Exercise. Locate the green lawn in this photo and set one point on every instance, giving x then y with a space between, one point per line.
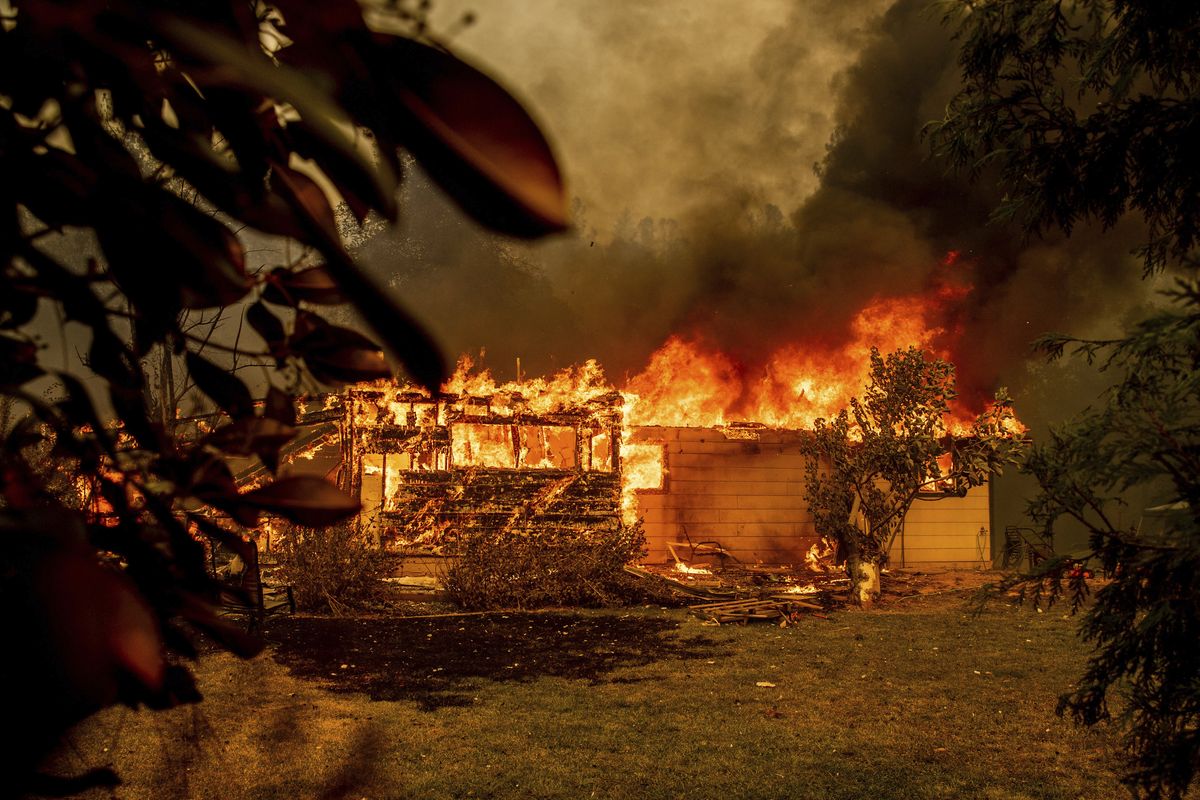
918 700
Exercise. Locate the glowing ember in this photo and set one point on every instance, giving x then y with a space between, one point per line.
819 557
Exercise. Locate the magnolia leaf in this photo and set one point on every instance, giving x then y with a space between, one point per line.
55 187
344 361
202 614
229 393
334 354
278 405
361 189
213 475
213 483
307 324
303 499
308 201
471 136
226 538
268 326
403 335
80 411
18 361
313 285
125 394
347 365
223 61
251 436
100 630
407 339
18 308
74 292
166 255
212 265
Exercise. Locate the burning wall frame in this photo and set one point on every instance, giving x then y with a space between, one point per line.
433 469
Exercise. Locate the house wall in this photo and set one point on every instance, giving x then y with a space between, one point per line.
947 531
743 487
745 493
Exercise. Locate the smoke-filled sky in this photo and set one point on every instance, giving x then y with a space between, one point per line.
688 133
657 106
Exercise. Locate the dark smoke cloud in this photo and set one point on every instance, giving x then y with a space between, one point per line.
657 106
738 249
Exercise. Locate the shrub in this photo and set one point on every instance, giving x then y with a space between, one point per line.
330 569
532 569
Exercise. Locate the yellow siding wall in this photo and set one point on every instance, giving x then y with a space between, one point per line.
748 495
946 530
745 494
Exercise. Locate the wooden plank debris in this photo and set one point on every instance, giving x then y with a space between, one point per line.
781 607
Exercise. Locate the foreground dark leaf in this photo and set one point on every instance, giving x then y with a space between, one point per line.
312 285
18 361
234 542
229 393
472 137
201 613
213 483
278 405
403 335
98 629
250 436
361 191
336 355
303 499
219 60
350 362
268 326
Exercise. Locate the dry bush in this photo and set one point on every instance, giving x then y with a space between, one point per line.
525 569
330 569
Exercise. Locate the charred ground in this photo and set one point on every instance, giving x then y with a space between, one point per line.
440 661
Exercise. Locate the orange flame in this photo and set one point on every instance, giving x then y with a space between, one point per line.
686 385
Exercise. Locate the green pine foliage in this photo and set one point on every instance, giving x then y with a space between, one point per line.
1144 434
1087 111
1083 110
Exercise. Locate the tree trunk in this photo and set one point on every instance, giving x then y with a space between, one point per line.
864 578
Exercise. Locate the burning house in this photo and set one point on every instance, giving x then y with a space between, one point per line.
704 451
571 453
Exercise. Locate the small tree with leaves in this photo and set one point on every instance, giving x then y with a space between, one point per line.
867 465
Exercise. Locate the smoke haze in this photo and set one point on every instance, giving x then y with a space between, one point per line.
689 135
